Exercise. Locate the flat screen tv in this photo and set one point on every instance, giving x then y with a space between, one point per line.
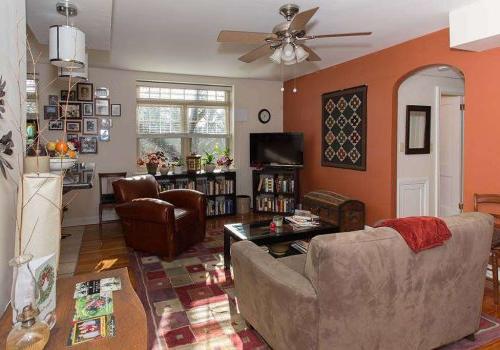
276 149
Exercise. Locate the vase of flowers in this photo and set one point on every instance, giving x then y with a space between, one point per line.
224 161
152 161
177 165
209 162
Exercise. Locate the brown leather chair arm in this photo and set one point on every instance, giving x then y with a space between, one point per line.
146 209
190 199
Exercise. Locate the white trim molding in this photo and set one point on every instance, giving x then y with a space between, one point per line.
413 197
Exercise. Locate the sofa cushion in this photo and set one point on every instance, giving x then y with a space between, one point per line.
295 262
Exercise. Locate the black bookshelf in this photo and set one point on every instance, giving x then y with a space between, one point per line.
275 189
219 188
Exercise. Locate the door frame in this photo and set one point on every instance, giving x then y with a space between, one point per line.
439 92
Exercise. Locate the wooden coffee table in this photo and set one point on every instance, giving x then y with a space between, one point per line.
260 234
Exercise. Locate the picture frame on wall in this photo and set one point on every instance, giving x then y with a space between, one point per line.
104 135
56 125
88 145
116 110
102 107
50 112
88 109
53 100
85 92
102 92
72 137
73 126
90 126
106 123
64 95
70 110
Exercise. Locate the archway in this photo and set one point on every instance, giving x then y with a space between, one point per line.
428 157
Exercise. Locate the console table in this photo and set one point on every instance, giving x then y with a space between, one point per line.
131 326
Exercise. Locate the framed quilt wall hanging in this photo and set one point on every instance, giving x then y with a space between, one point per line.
344 128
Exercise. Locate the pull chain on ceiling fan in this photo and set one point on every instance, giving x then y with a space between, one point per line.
286 42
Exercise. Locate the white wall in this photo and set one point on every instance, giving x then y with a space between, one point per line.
12 69
120 154
420 89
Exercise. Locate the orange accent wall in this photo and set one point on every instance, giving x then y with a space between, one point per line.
383 71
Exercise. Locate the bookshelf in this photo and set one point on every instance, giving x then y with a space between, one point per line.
219 187
275 189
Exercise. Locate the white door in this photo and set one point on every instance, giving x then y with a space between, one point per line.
450 155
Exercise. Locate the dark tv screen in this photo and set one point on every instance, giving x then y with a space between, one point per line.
276 148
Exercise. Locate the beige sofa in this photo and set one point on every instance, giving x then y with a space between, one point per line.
367 289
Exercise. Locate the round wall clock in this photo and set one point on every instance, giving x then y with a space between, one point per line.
264 116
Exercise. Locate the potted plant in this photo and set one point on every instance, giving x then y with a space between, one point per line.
209 162
177 165
152 161
225 159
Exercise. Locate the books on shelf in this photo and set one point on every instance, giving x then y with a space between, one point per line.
266 183
272 203
220 206
210 187
285 184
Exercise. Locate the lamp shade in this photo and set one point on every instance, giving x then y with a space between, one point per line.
66 46
76 73
276 56
300 53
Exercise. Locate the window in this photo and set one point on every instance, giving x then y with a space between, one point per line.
179 119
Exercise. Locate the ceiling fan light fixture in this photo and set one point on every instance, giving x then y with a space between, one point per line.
300 53
288 53
276 56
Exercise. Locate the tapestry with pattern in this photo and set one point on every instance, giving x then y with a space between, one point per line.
344 128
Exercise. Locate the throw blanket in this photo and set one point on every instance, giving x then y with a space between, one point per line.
420 233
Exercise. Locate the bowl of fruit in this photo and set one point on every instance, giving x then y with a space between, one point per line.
63 155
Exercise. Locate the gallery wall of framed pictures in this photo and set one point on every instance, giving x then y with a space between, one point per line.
85 113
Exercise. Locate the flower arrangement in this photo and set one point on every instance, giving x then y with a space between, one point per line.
152 161
225 159
209 162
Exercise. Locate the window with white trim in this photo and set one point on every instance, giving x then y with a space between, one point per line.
180 119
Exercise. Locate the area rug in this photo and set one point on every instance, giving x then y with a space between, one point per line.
190 303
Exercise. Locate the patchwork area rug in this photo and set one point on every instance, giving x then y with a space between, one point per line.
190 302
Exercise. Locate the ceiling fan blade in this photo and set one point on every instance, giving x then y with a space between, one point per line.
300 20
257 53
312 55
232 36
338 35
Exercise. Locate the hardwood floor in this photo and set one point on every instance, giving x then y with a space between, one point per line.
106 249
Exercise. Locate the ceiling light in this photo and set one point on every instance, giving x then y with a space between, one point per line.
276 56
288 53
66 43
76 73
300 53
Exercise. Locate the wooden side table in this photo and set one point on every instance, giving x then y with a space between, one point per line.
131 326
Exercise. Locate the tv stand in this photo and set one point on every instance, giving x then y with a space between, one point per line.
275 189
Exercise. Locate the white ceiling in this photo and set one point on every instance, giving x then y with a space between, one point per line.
180 36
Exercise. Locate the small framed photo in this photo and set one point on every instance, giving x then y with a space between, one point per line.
53 100
106 123
116 110
50 112
102 92
85 91
88 109
71 137
56 125
88 145
87 176
90 126
102 107
73 127
64 95
70 110
104 135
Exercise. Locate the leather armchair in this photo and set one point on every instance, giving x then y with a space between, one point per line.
163 223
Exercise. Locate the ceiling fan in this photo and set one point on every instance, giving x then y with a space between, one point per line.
286 42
